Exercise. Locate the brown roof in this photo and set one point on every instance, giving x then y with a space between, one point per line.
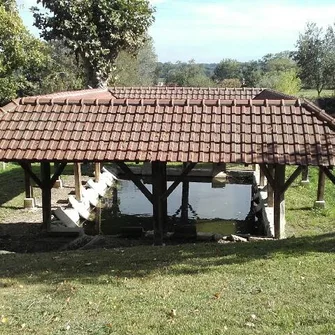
93 93
239 131
166 92
270 94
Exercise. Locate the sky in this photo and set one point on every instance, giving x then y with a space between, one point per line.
211 30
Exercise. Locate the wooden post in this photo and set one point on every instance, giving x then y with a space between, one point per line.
77 181
29 201
184 202
304 176
58 183
279 201
320 201
46 194
261 178
159 202
270 199
97 173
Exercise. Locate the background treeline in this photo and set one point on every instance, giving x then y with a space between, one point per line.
31 66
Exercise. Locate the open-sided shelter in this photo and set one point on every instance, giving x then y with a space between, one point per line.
78 127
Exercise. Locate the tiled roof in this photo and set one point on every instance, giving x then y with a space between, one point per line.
94 93
239 131
166 92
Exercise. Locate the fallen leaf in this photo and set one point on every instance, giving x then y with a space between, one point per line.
250 324
4 319
217 295
173 313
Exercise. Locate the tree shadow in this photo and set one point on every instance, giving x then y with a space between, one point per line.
144 261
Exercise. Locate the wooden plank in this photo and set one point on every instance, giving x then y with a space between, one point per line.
27 167
321 185
46 195
77 180
179 179
292 178
136 180
279 201
328 173
97 172
27 183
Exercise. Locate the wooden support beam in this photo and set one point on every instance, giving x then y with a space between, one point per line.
268 171
57 173
159 202
46 194
292 178
97 171
320 201
27 183
77 181
179 179
185 201
261 177
27 167
270 185
328 173
279 201
136 180
305 175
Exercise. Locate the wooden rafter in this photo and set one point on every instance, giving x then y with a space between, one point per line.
328 173
136 180
59 170
27 167
179 179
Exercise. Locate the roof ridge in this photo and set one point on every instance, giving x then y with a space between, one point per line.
154 101
320 113
10 106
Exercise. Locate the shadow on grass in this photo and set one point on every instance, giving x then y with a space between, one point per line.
145 261
12 184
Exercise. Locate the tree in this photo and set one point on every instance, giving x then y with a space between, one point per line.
251 73
227 69
96 30
315 57
188 74
19 50
282 81
137 70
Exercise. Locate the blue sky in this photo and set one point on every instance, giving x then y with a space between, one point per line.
208 31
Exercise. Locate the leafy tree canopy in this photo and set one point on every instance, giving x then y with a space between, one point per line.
316 57
19 50
96 30
227 69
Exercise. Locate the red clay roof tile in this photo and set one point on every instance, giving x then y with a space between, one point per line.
173 130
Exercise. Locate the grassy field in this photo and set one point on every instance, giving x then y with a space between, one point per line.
313 94
270 287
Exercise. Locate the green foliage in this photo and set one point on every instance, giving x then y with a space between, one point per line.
227 69
61 71
316 57
188 74
19 52
96 30
252 73
282 81
136 70
232 83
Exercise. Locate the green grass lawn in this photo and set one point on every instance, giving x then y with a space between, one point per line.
313 94
270 287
